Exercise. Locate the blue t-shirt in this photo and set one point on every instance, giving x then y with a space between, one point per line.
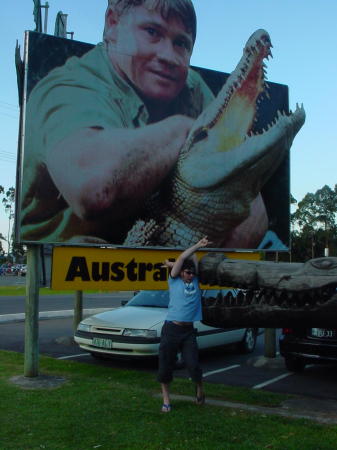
185 300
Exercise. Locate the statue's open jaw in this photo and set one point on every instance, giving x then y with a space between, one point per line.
273 309
274 294
222 137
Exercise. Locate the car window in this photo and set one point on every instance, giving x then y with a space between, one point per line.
158 299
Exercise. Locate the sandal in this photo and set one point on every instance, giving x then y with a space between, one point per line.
166 408
200 400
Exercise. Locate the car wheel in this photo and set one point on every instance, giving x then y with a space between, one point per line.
294 364
247 345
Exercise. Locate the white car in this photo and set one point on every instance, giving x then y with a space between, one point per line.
134 330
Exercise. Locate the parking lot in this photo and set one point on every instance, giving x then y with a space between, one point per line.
224 365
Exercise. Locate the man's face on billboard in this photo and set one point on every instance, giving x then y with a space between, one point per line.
150 52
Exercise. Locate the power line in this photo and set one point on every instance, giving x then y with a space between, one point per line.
6 151
8 115
8 105
8 155
7 158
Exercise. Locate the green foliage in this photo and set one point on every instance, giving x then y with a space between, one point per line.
314 224
21 290
8 201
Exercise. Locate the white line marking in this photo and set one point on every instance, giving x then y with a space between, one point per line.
273 380
73 356
206 374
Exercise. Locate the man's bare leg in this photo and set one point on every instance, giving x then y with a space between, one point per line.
200 395
166 397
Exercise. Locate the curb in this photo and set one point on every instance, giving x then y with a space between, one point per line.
293 409
43 315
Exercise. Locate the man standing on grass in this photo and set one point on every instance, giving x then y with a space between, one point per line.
178 333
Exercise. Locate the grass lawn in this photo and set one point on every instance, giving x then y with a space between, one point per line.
105 408
21 290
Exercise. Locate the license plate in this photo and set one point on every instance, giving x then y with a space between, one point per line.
323 333
102 343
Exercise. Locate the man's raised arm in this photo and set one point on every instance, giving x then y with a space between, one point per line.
175 270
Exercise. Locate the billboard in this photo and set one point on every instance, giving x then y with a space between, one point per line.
101 166
105 269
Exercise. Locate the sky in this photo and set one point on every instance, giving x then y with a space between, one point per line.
303 33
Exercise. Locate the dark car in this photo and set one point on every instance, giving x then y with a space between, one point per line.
301 346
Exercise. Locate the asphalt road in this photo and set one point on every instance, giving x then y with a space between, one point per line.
16 304
223 365
54 302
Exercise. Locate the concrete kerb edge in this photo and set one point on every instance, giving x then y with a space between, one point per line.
283 411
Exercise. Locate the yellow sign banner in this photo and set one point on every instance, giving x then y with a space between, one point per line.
110 269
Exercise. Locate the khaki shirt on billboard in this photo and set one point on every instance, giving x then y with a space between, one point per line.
85 92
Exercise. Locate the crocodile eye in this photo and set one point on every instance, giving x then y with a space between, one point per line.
324 263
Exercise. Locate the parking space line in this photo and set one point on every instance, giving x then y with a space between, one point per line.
73 356
272 380
224 369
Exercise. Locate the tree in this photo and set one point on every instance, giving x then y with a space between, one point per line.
8 200
2 251
314 224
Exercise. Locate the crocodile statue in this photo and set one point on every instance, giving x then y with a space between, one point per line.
272 294
223 164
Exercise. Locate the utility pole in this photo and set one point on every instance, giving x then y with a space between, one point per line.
78 309
270 333
270 342
46 7
31 353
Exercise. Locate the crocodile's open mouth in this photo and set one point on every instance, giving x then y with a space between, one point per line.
222 144
234 110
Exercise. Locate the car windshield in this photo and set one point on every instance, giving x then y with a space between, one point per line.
159 299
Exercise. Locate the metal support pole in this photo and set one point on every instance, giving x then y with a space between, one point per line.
31 360
270 342
78 309
46 7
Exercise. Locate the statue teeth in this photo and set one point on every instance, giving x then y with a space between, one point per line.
273 301
262 300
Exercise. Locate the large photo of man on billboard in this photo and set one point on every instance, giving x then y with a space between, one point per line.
104 134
